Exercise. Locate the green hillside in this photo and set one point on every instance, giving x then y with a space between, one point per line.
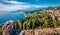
38 20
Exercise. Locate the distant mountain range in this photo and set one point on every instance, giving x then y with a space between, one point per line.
34 9
29 10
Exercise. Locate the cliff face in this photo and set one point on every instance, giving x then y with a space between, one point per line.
6 27
11 27
46 31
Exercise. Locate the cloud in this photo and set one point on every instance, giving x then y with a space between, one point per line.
37 6
15 6
15 2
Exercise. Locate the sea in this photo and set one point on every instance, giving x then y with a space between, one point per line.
5 16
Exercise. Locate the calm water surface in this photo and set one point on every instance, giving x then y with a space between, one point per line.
11 16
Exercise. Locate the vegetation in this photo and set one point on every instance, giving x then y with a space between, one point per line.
38 20
0 31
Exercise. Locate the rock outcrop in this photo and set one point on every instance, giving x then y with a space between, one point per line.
7 26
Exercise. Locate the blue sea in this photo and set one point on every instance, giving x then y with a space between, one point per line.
5 16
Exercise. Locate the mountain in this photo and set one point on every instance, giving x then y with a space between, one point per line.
47 13
37 20
30 10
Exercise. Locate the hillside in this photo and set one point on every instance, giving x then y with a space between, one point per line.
37 20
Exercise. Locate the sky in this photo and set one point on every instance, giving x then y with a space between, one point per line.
14 5
42 2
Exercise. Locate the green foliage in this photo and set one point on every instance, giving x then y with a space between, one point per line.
38 20
0 31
